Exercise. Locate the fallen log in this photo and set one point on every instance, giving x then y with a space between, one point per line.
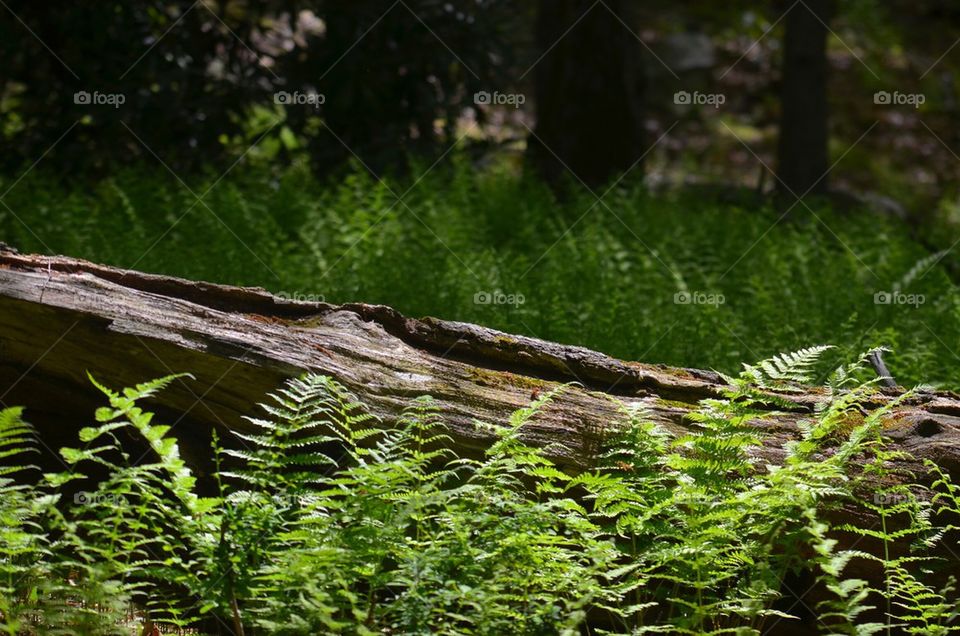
62 317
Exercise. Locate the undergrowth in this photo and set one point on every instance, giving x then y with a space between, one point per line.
468 244
324 520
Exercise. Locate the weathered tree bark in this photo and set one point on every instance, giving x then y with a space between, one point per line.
61 317
802 152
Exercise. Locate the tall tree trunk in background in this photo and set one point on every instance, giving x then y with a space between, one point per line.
588 89
802 152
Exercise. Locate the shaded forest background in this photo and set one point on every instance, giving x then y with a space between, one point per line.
201 81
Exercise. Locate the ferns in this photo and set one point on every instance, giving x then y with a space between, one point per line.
15 439
781 370
22 544
307 413
711 536
326 521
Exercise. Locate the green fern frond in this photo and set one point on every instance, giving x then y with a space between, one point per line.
16 438
782 370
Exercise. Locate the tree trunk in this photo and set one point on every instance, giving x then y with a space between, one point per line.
61 317
588 85
802 153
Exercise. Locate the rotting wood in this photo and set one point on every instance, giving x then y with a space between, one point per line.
61 317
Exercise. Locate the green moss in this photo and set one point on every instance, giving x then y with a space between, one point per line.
673 404
489 377
505 340
897 420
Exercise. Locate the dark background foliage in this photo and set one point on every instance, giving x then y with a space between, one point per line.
190 72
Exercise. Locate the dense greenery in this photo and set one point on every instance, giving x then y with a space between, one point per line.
785 282
326 522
